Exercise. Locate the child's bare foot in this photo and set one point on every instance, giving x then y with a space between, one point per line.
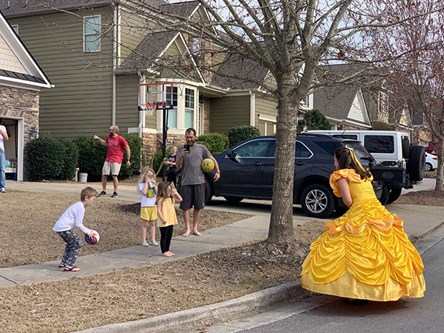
197 233
173 254
186 234
167 254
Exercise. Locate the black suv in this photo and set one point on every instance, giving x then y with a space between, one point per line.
248 170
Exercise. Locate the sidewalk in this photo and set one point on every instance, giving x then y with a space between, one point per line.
418 221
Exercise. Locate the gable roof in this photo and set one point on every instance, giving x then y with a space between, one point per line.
28 7
185 9
237 72
148 50
152 49
17 66
344 102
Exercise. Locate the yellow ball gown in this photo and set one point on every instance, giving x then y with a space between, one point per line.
364 254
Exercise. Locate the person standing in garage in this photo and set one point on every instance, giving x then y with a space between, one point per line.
3 137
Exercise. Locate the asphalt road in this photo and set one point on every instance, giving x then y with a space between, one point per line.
330 315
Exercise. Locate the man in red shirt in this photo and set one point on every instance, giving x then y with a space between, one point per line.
116 145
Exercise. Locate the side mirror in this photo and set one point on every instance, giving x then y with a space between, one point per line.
230 154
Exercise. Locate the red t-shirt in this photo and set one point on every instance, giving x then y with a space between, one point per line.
116 147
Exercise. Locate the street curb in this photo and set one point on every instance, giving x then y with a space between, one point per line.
209 314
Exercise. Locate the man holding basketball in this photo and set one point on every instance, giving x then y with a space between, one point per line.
192 185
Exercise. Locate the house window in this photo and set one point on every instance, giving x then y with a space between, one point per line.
91 33
172 113
189 107
15 27
196 48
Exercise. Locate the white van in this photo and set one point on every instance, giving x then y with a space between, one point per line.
389 148
398 164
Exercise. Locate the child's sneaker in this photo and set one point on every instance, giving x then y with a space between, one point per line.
2 190
144 243
154 243
102 194
115 195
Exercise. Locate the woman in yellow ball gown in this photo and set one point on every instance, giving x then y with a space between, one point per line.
364 254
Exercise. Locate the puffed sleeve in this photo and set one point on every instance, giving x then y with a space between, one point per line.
335 176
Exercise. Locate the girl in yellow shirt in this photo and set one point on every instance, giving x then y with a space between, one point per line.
167 218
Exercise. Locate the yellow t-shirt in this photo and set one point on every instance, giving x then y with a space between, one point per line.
168 212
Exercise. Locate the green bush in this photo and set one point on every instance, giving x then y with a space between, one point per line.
92 154
91 157
241 133
70 160
215 142
315 120
135 144
44 158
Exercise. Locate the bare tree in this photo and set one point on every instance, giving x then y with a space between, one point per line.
291 39
414 66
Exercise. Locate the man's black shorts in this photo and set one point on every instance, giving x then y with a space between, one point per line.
193 196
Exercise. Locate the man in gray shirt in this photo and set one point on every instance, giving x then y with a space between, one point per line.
192 184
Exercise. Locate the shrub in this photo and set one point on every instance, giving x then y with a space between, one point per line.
241 133
215 142
70 160
91 157
315 120
44 158
157 161
135 144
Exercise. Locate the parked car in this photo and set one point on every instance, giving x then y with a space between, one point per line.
398 163
431 162
248 171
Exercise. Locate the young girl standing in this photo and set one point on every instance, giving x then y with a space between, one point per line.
167 215
148 211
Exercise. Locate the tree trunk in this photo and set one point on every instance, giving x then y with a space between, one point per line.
281 221
439 170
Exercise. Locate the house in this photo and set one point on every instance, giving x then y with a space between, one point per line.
359 102
21 80
104 60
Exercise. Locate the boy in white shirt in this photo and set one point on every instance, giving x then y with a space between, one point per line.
70 219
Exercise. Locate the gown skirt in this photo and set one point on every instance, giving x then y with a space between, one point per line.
364 254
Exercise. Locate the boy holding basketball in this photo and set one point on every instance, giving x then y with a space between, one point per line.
70 219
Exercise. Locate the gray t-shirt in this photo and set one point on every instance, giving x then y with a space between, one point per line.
191 172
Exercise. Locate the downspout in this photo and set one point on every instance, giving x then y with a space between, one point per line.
115 45
142 101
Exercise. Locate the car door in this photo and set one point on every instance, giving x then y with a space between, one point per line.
243 169
302 165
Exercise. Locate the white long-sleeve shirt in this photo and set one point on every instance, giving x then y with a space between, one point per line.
72 218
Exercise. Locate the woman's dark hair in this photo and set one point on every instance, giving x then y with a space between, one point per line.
344 157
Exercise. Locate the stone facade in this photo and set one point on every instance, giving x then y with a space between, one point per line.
152 142
18 103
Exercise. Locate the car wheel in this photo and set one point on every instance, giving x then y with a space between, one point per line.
394 194
428 167
208 191
381 191
233 200
416 162
318 201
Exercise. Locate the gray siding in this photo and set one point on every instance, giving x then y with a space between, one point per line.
80 103
265 106
228 112
127 113
133 30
